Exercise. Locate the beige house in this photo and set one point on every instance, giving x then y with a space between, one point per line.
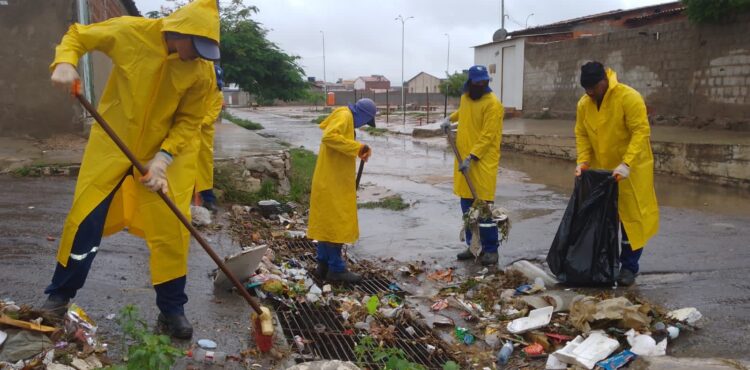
422 82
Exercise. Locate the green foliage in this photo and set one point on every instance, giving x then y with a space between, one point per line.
375 131
318 120
253 62
27 171
714 11
450 365
394 203
300 181
148 350
315 98
248 124
454 84
368 351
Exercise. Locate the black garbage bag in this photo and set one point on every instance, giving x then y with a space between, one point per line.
585 249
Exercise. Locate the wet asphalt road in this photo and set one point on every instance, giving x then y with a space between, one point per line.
699 258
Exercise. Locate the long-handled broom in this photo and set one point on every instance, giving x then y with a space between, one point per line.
261 318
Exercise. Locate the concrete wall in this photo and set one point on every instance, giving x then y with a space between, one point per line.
394 98
723 164
29 30
689 75
422 81
505 62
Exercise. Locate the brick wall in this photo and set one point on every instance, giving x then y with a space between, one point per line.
689 75
101 10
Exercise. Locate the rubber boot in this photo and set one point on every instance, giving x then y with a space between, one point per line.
488 259
337 270
56 306
344 277
177 326
467 255
626 277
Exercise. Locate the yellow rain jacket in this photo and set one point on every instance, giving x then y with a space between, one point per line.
480 130
333 200
153 101
205 179
615 133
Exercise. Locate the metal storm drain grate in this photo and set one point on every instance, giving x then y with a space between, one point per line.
378 285
325 338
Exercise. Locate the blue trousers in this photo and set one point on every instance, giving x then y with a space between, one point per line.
330 253
67 280
628 258
208 196
488 234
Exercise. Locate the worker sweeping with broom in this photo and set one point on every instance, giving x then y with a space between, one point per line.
333 199
480 126
155 99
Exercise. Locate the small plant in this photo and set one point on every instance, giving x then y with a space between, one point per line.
319 119
250 125
147 350
368 350
375 131
27 171
393 202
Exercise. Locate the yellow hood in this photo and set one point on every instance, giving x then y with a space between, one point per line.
199 18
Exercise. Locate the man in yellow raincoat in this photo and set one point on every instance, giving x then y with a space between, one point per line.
333 199
613 133
204 183
155 99
480 129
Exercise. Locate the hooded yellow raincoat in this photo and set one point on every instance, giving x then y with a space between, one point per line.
619 132
205 179
480 130
153 101
333 200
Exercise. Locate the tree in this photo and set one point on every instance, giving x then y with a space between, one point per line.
714 11
454 84
249 59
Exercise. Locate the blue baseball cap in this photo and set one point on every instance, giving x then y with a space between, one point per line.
478 73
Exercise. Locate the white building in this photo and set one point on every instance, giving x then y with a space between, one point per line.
504 61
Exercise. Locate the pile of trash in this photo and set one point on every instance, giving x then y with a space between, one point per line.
32 339
520 318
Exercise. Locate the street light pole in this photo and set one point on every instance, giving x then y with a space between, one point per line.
527 19
448 63
325 83
403 99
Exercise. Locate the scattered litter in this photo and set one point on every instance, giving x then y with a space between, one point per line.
673 332
242 265
536 319
51 238
439 305
207 344
291 234
587 352
617 361
535 349
504 354
442 321
689 315
532 272
269 208
23 344
463 335
555 364
110 316
3 336
327 288
5 320
442 275
200 216
645 345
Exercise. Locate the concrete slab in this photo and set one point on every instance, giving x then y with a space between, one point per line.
232 141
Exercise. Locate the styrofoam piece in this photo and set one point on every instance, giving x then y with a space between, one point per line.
587 352
242 266
688 314
3 337
645 345
536 319
555 364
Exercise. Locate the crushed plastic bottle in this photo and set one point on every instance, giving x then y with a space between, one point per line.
504 355
208 357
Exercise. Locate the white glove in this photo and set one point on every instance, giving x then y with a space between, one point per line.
445 124
622 170
64 76
156 173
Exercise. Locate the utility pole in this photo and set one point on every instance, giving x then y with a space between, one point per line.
325 83
403 99
502 14
448 63
527 20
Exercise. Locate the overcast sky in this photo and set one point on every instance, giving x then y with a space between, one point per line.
363 38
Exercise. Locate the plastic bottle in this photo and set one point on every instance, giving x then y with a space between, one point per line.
504 355
208 357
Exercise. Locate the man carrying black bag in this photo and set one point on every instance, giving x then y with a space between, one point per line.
612 134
